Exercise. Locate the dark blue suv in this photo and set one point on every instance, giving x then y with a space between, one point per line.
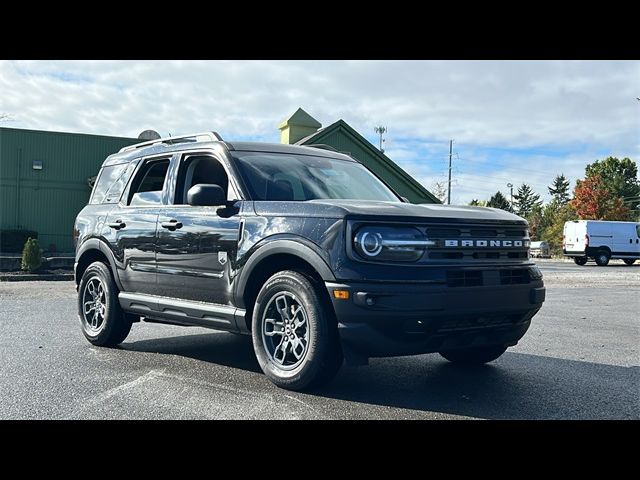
304 249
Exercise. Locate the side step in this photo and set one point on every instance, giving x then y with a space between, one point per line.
184 312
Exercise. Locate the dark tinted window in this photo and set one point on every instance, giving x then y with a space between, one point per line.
291 177
147 186
196 170
106 180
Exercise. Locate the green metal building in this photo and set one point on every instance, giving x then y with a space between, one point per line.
44 180
45 176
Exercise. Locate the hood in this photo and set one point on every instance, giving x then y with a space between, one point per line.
328 208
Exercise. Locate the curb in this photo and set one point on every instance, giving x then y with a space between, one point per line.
35 277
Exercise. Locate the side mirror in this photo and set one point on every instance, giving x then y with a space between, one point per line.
206 195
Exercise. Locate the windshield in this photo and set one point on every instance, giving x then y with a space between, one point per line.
291 177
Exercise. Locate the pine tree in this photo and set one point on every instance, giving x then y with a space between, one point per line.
559 190
525 200
498 201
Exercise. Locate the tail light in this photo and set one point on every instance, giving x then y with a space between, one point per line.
586 240
563 241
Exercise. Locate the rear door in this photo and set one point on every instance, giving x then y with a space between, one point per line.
196 245
133 226
574 237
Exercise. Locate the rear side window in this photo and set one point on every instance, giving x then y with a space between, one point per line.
638 230
147 186
111 183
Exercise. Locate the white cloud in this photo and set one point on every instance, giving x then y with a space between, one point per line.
584 107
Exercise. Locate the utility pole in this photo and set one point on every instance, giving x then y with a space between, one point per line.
381 131
510 186
449 188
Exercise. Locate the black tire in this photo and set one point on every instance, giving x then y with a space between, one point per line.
629 261
474 356
580 260
602 258
115 325
320 356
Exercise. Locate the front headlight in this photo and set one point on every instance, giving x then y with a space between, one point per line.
390 244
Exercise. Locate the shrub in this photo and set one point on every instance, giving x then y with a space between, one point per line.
31 255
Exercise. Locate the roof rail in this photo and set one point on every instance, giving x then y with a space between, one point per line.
322 146
194 137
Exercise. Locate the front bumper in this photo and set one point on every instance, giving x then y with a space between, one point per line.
389 319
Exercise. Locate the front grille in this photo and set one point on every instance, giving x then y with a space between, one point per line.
475 243
470 323
479 278
475 232
464 278
514 277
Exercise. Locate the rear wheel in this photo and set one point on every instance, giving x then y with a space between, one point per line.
602 258
103 321
295 336
580 260
629 261
474 356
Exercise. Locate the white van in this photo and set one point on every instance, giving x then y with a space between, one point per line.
602 241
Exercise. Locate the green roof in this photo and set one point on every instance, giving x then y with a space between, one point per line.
300 118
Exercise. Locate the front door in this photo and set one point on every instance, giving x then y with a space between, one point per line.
196 245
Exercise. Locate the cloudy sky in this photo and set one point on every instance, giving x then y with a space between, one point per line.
511 121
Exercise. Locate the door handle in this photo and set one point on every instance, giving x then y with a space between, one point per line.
118 224
171 224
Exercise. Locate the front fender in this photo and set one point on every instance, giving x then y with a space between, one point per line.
306 251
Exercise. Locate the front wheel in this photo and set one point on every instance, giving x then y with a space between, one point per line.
294 333
580 260
630 261
474 356
103 322
602 258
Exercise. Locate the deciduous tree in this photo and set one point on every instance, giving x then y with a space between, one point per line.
592 200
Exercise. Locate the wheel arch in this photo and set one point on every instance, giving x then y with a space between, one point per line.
94 250
277 256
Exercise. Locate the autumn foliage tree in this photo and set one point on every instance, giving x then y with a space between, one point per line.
592 200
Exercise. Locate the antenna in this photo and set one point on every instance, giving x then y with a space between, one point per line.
381 131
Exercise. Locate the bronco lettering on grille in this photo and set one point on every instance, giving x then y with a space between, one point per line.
486 243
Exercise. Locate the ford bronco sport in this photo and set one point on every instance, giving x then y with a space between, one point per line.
304 249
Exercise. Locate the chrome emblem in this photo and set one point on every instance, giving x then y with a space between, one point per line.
486 243
222 257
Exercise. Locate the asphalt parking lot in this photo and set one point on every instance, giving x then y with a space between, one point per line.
579 360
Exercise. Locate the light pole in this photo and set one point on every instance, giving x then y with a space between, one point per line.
381 131
510 187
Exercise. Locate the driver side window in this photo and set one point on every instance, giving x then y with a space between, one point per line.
200 169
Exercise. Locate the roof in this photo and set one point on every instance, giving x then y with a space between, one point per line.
300 118
156 148
386 162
